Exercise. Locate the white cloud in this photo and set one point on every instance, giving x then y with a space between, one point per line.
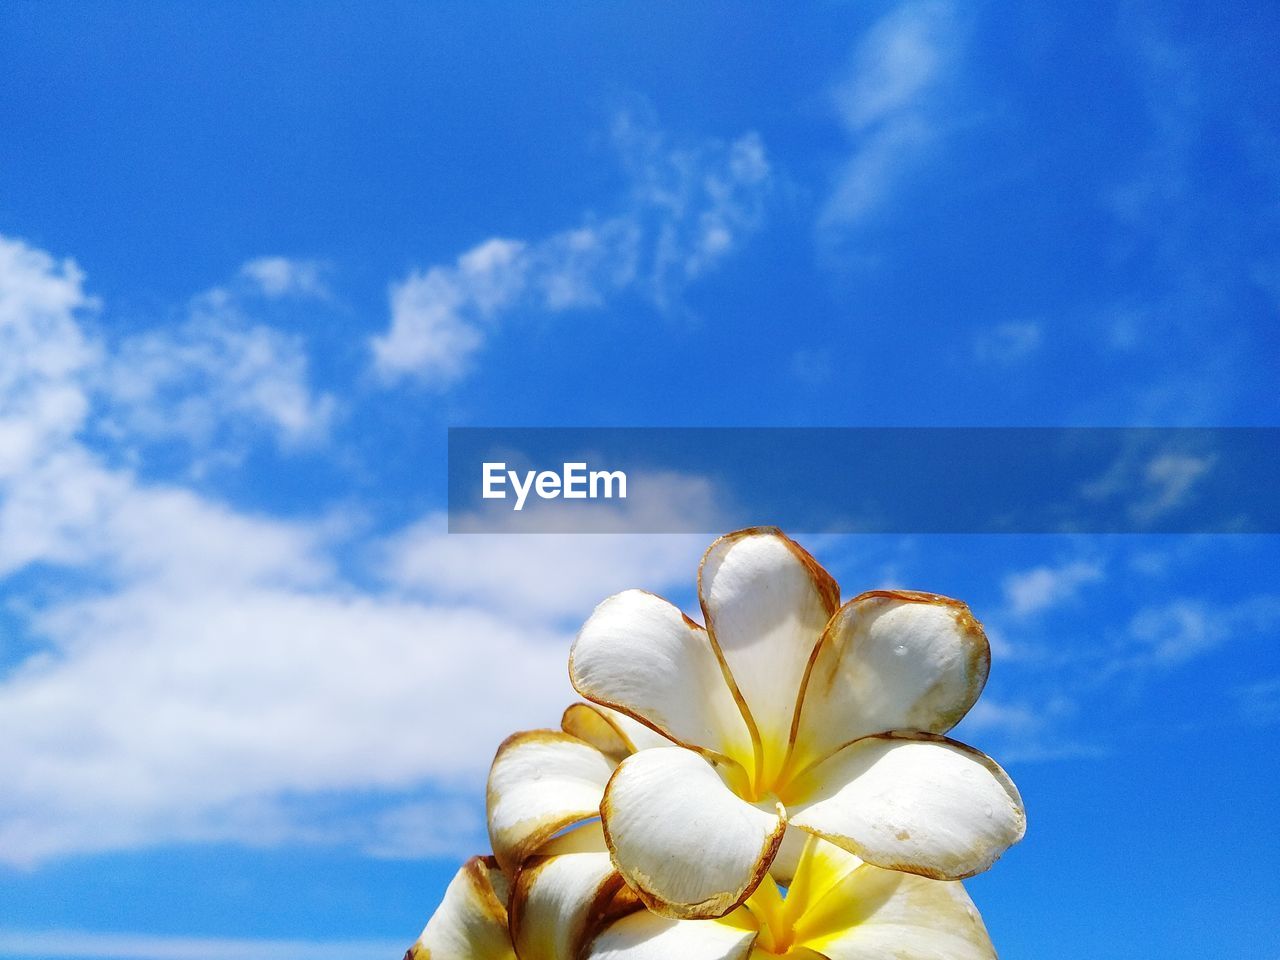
1032 591
538 576
1177 632
688 208
888 104
210 379
276 277
1185 628
196 673
1025 732
42 353
139 946
1170 479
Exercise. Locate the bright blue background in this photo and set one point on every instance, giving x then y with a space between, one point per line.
1081 229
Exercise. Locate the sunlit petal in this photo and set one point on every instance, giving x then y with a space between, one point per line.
891 660
646 936
471 922
872 914
766 603
682 838
541 782
640 655
912 802
562 896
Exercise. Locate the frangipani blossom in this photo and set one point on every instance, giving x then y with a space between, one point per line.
786 710
569 903
837 908
547 891
544 781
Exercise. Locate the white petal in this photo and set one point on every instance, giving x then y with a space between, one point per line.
766 603
685 841
646 936
560 899
640 655
918 803
471 922
541 782
872 914
891 660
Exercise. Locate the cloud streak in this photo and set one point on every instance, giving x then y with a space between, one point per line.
687 208
887 104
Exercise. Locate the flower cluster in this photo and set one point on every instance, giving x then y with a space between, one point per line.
776 783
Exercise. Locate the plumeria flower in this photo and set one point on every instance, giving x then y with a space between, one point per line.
543 782
568 902
548 910
787 710
546 891
837 908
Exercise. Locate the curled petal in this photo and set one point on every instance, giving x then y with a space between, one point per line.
589 723
683 839
541 782
646 936
872 914
891 660
913 802
561 898
640 655
471 922
766 603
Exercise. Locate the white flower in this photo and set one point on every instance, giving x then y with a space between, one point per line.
568 902
837 908
786 710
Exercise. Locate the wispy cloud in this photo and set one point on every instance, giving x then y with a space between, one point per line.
1150 481
888 105
276 277
1186 628
688 207
1032 591
211 379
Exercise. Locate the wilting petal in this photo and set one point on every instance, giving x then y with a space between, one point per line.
872 914
646 936
640 655
686 842
891 660
471 922
562 896
766 602
589 722
918 803
541 782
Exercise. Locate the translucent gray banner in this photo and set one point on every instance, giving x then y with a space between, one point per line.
865 480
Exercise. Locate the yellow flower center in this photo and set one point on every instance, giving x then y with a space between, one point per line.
770 910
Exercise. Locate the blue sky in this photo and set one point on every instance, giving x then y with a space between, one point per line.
255 260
